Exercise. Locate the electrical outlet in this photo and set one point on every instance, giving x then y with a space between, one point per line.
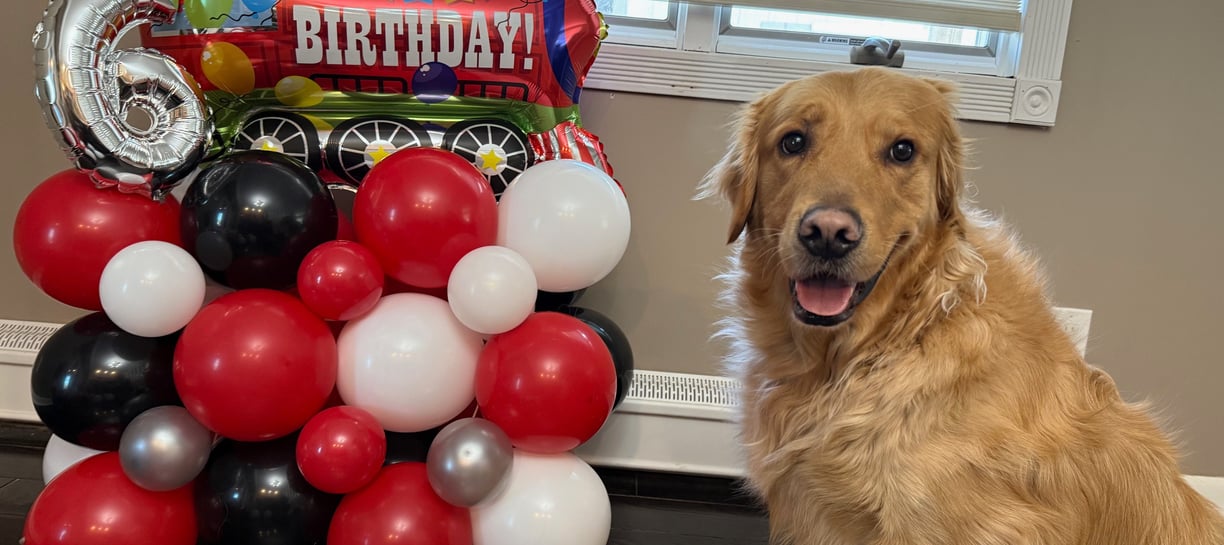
1076 322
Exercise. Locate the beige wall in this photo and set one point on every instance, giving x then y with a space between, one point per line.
1121 200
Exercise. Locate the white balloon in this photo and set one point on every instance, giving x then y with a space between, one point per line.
492 290
548 499
409 362
60 455
568 219
152 288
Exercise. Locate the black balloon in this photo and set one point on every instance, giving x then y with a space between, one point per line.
549 300
254 494
251 217
617 342
91 379
409 447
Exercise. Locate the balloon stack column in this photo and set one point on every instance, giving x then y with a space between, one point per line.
250 368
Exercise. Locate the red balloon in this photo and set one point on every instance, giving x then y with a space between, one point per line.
255 365
340 280
549 383
395 286
421 210
333 399
67 230
341 449
345 229
94 503
399 508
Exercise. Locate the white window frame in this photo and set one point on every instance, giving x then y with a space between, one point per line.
688 61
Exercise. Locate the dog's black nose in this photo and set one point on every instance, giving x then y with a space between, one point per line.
830 232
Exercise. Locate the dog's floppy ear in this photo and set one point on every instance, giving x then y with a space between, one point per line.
951 158
734 178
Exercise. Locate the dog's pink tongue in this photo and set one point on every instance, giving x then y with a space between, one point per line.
824 296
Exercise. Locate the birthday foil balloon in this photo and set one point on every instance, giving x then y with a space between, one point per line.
132 119
341 84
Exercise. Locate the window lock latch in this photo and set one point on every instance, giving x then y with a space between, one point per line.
879 52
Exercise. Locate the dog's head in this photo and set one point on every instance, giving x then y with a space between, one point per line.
837 173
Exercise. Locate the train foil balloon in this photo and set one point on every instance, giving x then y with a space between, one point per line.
342 84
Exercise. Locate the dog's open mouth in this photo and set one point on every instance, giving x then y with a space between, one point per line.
827 300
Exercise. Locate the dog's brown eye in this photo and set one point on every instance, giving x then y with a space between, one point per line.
902 151
793 142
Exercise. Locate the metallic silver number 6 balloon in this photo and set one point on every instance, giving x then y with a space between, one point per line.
89 91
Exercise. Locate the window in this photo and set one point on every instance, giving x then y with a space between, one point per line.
1006 55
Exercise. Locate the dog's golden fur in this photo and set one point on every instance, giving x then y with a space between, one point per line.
950 408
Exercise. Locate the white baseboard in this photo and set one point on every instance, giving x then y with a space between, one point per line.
15 401
671 422
19 344
1210 487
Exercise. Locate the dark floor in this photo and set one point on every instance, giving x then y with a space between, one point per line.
647 508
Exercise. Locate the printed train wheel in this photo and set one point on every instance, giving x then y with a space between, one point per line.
358 144
282 132
500 150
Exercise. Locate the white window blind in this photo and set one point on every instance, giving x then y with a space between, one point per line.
985 14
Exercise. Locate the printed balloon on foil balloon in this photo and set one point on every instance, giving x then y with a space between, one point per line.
342 84
207 13
227 67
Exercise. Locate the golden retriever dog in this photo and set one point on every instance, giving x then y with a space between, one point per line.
905 380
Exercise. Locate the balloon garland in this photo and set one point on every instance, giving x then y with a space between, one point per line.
261 365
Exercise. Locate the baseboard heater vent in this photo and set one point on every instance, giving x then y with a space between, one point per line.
682 388
25 337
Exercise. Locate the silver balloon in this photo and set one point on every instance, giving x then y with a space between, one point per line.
164 448
88 90
468 461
